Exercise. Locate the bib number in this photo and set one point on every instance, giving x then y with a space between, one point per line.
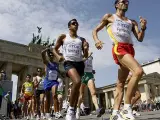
73 50
29 89
52 75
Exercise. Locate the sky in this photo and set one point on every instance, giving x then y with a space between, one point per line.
19 19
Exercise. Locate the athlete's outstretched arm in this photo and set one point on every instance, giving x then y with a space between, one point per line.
102 24
43 53
85 48
137 33
35 82
58 44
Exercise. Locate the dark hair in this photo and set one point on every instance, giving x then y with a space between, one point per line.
69 23
116 3
28 75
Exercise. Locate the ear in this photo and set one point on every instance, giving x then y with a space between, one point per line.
69 27
116 6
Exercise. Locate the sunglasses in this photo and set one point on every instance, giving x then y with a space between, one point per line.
124 2
51 55
74 23
39 71
28 77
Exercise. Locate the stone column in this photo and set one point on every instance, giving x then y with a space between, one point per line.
98 99
147 91
159 90
107 100
153 90
7 67
19 83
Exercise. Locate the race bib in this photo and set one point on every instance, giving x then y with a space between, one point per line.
73 50
88 64
29 89
41 85
52 75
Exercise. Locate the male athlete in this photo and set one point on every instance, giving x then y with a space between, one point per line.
74 48
120 28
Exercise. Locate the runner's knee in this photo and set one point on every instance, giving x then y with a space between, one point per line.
60 98
54 96
77 82
120 85
93 93
138 95
81 96
138 72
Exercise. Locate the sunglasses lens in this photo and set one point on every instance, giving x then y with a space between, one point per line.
75 23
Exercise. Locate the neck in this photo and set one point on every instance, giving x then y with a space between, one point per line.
73 34
120 13
39 75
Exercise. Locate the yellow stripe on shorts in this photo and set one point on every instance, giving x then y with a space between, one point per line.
109 30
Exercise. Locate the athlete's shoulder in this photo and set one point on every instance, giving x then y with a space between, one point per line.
62 36
134 22
24 83
82 38
106 16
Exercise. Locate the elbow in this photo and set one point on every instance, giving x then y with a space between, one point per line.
94 32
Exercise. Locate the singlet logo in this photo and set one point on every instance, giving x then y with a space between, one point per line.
123 28
28 89
73 49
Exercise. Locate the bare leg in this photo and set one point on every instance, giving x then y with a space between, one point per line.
75 88
47 102
37 104
136 97
55 99
34 110
81 94
129 62
25 108
92 88
60 100
42 103
122 75
29 107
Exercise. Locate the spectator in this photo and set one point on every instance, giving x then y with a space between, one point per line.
1 93
2 75
9 103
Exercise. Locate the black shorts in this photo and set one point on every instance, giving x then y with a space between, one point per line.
38 92
79 66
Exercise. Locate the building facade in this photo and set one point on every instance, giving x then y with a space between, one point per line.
20 60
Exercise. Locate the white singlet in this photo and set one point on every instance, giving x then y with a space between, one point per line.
41 81
120 30
72 49
88 64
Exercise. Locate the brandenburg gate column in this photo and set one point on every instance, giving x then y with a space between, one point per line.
147 91
7 67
